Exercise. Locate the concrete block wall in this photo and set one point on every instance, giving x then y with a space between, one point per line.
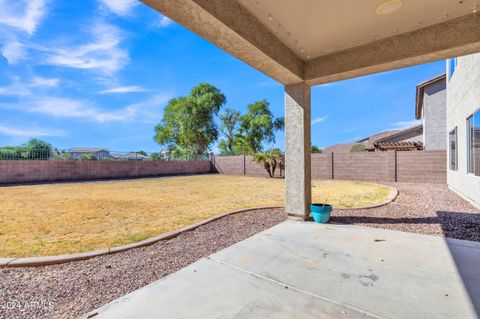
391 166
365 166
229 165
47 171
417 166
322 166
240 165
428 166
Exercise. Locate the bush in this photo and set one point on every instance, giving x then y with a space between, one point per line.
358 148
88 157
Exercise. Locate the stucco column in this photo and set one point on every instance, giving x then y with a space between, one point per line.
297 151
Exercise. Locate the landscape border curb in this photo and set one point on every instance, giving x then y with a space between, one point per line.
60 259
13 262
390 198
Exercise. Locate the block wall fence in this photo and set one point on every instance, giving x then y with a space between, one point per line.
419 167
391 166
15 172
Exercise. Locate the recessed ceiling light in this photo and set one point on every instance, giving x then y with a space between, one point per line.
389 7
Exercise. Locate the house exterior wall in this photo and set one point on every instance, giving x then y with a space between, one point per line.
463 99
434 117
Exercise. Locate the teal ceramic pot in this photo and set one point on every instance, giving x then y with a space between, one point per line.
321 212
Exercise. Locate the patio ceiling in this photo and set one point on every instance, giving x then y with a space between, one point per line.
317 42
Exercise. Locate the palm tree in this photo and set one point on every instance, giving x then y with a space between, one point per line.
270 160
264 160
277 159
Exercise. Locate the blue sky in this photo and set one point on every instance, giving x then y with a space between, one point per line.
98 73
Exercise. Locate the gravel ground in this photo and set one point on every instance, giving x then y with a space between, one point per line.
430 209
72 289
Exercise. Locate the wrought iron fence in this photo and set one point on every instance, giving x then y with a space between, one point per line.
22 153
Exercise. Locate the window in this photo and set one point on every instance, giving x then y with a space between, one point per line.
452 142
452 64
473 144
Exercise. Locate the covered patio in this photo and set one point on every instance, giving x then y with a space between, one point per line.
304 270
304 43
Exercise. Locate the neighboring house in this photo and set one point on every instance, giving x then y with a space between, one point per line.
99 153
431 108
463 126
343 148
132 156
409 139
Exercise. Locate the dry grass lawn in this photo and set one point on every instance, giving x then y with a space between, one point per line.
67 218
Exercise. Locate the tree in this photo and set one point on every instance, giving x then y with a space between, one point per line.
33 149
155 156
277 160
257 127
358 148
316 149
36 149
142 153
230 121
188 124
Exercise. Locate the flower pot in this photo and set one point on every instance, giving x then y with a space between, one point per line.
321 212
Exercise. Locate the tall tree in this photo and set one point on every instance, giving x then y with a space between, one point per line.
188 124
258 126
230 121
316 149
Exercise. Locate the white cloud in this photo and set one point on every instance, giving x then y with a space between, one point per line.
58 107
318 120
15 89
405 124
120 7
103 53
146 111
13 51
163 22
39 81
123 89
21 88
24 15
30 131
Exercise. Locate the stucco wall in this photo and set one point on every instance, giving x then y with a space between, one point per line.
434 117
46 171
463 99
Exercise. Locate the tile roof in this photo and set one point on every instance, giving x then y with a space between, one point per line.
379 136
86 149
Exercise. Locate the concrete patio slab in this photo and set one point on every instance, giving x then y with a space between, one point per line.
307 270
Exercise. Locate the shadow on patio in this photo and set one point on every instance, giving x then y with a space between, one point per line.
459 225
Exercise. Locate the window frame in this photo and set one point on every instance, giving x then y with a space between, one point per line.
453 165
471 150
470 155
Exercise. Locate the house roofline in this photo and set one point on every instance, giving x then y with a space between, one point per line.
407 130
421 91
